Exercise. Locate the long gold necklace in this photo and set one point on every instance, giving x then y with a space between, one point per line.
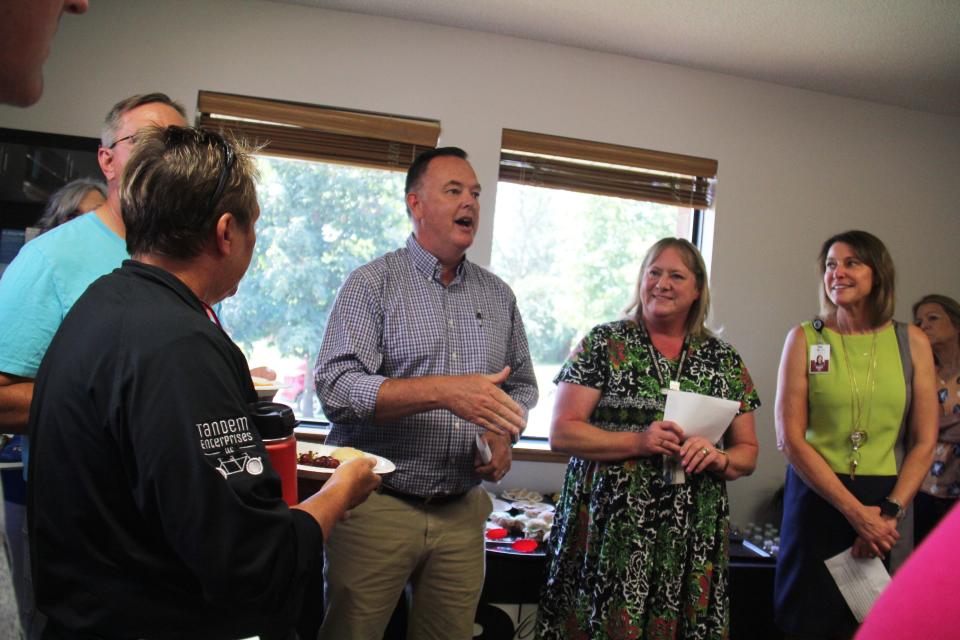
858 432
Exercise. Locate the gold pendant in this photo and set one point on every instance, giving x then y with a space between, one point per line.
853 469
857 438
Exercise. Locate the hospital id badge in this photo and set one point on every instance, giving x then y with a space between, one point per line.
819 358
673 472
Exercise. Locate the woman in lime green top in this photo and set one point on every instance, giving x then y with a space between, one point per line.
852 382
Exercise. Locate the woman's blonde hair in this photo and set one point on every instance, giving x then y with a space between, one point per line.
697 316
871 251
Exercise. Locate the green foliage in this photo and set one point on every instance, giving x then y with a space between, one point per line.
318 222
571 258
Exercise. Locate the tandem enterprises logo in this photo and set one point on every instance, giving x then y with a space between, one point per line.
231 432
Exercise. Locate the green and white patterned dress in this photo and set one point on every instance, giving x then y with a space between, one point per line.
632 556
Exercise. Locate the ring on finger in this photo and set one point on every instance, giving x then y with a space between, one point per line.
705 451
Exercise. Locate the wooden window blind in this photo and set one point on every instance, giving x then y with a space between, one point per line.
594 167
311 132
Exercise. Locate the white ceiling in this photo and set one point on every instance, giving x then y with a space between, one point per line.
898 52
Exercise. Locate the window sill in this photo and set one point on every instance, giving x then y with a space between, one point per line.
527 450
530 450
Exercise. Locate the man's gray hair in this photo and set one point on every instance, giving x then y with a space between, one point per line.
111 123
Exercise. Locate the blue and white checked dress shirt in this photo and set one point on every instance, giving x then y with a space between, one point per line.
393 318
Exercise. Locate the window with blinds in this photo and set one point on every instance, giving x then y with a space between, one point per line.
606 169
331 199
312 132
573 221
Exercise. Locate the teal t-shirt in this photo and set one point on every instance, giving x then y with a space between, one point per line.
41 284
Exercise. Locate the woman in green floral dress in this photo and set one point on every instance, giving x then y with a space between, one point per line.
639 544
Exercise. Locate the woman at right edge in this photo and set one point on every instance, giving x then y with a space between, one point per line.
839 428
938 317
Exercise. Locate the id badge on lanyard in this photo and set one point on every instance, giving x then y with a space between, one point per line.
819 360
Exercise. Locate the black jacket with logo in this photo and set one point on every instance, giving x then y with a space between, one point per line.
153 509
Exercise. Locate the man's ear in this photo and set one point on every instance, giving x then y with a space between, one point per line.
413 204
226 234
107 165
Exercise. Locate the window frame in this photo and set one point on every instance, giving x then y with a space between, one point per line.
609 168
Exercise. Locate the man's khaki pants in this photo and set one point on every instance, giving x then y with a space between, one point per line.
388 542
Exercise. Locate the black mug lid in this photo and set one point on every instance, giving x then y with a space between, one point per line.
273 419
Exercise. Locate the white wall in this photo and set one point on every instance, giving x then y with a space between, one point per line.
795 166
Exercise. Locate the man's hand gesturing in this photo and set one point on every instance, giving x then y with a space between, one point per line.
480 400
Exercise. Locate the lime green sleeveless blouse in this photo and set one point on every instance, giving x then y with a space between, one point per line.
830 401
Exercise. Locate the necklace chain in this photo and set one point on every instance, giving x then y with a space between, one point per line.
858 431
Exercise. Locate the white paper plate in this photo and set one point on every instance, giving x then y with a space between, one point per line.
521 495
267 389
383 466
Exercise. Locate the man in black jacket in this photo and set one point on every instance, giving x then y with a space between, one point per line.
153 509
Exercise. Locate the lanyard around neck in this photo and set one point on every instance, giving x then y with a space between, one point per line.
211 314
674 384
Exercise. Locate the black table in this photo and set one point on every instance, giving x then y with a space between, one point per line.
751 595
517 579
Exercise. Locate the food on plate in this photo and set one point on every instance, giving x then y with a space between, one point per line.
537 529
345 454
311 458
263 382
521 495
505 520
532 508
539 511
524 519
330 457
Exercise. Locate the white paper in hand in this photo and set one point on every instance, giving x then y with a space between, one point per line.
700 415
484 450
860 580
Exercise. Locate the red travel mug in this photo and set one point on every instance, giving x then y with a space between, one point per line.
276 423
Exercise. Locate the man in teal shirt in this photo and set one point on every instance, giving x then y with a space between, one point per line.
50 272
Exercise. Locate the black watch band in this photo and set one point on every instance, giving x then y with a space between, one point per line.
891 508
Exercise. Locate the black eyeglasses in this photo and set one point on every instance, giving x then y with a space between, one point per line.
228 159
132 138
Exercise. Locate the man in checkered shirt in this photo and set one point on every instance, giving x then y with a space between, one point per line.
424 351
